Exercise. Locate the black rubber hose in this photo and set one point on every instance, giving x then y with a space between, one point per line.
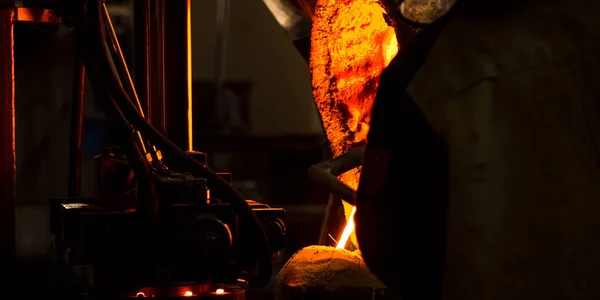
182 161
147 210
118 59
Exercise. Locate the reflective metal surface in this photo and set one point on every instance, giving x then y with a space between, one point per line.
7 142
36 15
290 17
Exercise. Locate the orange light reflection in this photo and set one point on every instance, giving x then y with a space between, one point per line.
189 77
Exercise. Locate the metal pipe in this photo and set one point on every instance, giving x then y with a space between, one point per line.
7 141
325 173
188 56
177 57
77 114
158 98
119 51
123 70
149 47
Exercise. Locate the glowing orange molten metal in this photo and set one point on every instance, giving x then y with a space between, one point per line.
352 42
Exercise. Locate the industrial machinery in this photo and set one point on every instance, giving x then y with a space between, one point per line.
165 225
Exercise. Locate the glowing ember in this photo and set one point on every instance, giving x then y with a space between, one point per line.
352 42
188 294
220 291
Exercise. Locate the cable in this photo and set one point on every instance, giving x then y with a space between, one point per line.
148 209
121 64
147 204
182 161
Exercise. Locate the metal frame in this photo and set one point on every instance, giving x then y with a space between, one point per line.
76 138
149 72
176 57
162 50
7 140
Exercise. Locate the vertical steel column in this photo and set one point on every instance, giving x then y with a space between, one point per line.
77 114
150 70
178 66
7 141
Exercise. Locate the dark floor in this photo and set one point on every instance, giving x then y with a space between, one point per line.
41 275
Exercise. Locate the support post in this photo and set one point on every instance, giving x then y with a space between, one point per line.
178 64
7 141
76 138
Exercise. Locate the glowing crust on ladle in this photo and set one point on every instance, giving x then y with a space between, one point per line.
352 42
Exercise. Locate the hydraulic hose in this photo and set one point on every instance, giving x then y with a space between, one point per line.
101 62
146 210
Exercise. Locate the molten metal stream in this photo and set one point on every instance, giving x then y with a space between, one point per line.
352 42
348 230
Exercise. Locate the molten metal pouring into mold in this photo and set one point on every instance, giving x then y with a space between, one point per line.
351 43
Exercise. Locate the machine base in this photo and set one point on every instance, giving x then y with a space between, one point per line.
197 291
